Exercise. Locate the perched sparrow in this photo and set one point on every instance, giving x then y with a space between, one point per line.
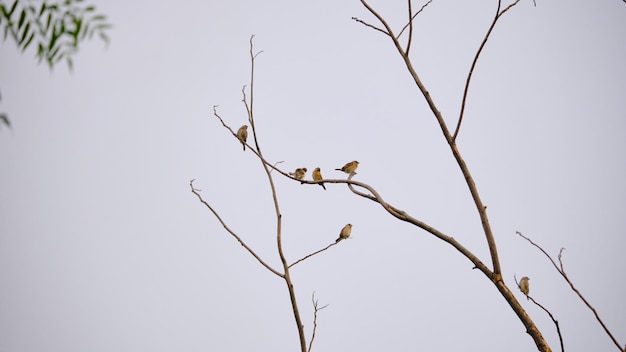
299 173
523 285
317 176
242 135
350 167
345 232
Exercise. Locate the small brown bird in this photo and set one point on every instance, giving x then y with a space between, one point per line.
242 135
317 176
523 285
350 167
345 232
299 173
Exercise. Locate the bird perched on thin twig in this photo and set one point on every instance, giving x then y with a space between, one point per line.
350 167
299 173
523 285
317 176
242 135
345 232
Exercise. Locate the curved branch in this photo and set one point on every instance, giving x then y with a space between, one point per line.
195 191
471 71
561 271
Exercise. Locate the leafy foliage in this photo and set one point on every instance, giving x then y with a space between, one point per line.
56 27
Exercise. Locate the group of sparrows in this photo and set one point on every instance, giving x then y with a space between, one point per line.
299 173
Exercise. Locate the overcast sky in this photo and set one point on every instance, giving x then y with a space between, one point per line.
104 248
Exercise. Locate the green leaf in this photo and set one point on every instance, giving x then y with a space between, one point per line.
48 22
5 119
53 38
104 38
10 13
43 9
24 33
85 31
30 39
53 53
6 31
20 22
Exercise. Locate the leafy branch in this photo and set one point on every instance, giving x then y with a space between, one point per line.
56 29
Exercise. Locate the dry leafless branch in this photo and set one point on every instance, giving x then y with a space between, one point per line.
316 308
561 271
471 70
556 322
231 232
496 275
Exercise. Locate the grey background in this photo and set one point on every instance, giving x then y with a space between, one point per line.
104 248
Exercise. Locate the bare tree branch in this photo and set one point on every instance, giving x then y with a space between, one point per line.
457 155
196 192
496 276
286 276
411 18
374 27
471 71
556 322
561 271
312 254
316 309
410 39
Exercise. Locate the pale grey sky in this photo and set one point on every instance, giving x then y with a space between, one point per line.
104 248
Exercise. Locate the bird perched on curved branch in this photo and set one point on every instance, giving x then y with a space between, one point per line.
299 173
350 167
242 135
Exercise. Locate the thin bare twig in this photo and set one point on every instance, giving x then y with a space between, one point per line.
316 309
556 322
372 26
410 39
312 254
471 71
561 271
413 17
196 192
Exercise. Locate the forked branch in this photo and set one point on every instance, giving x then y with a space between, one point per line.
317 308
471 70
561 271
231 232
496 275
